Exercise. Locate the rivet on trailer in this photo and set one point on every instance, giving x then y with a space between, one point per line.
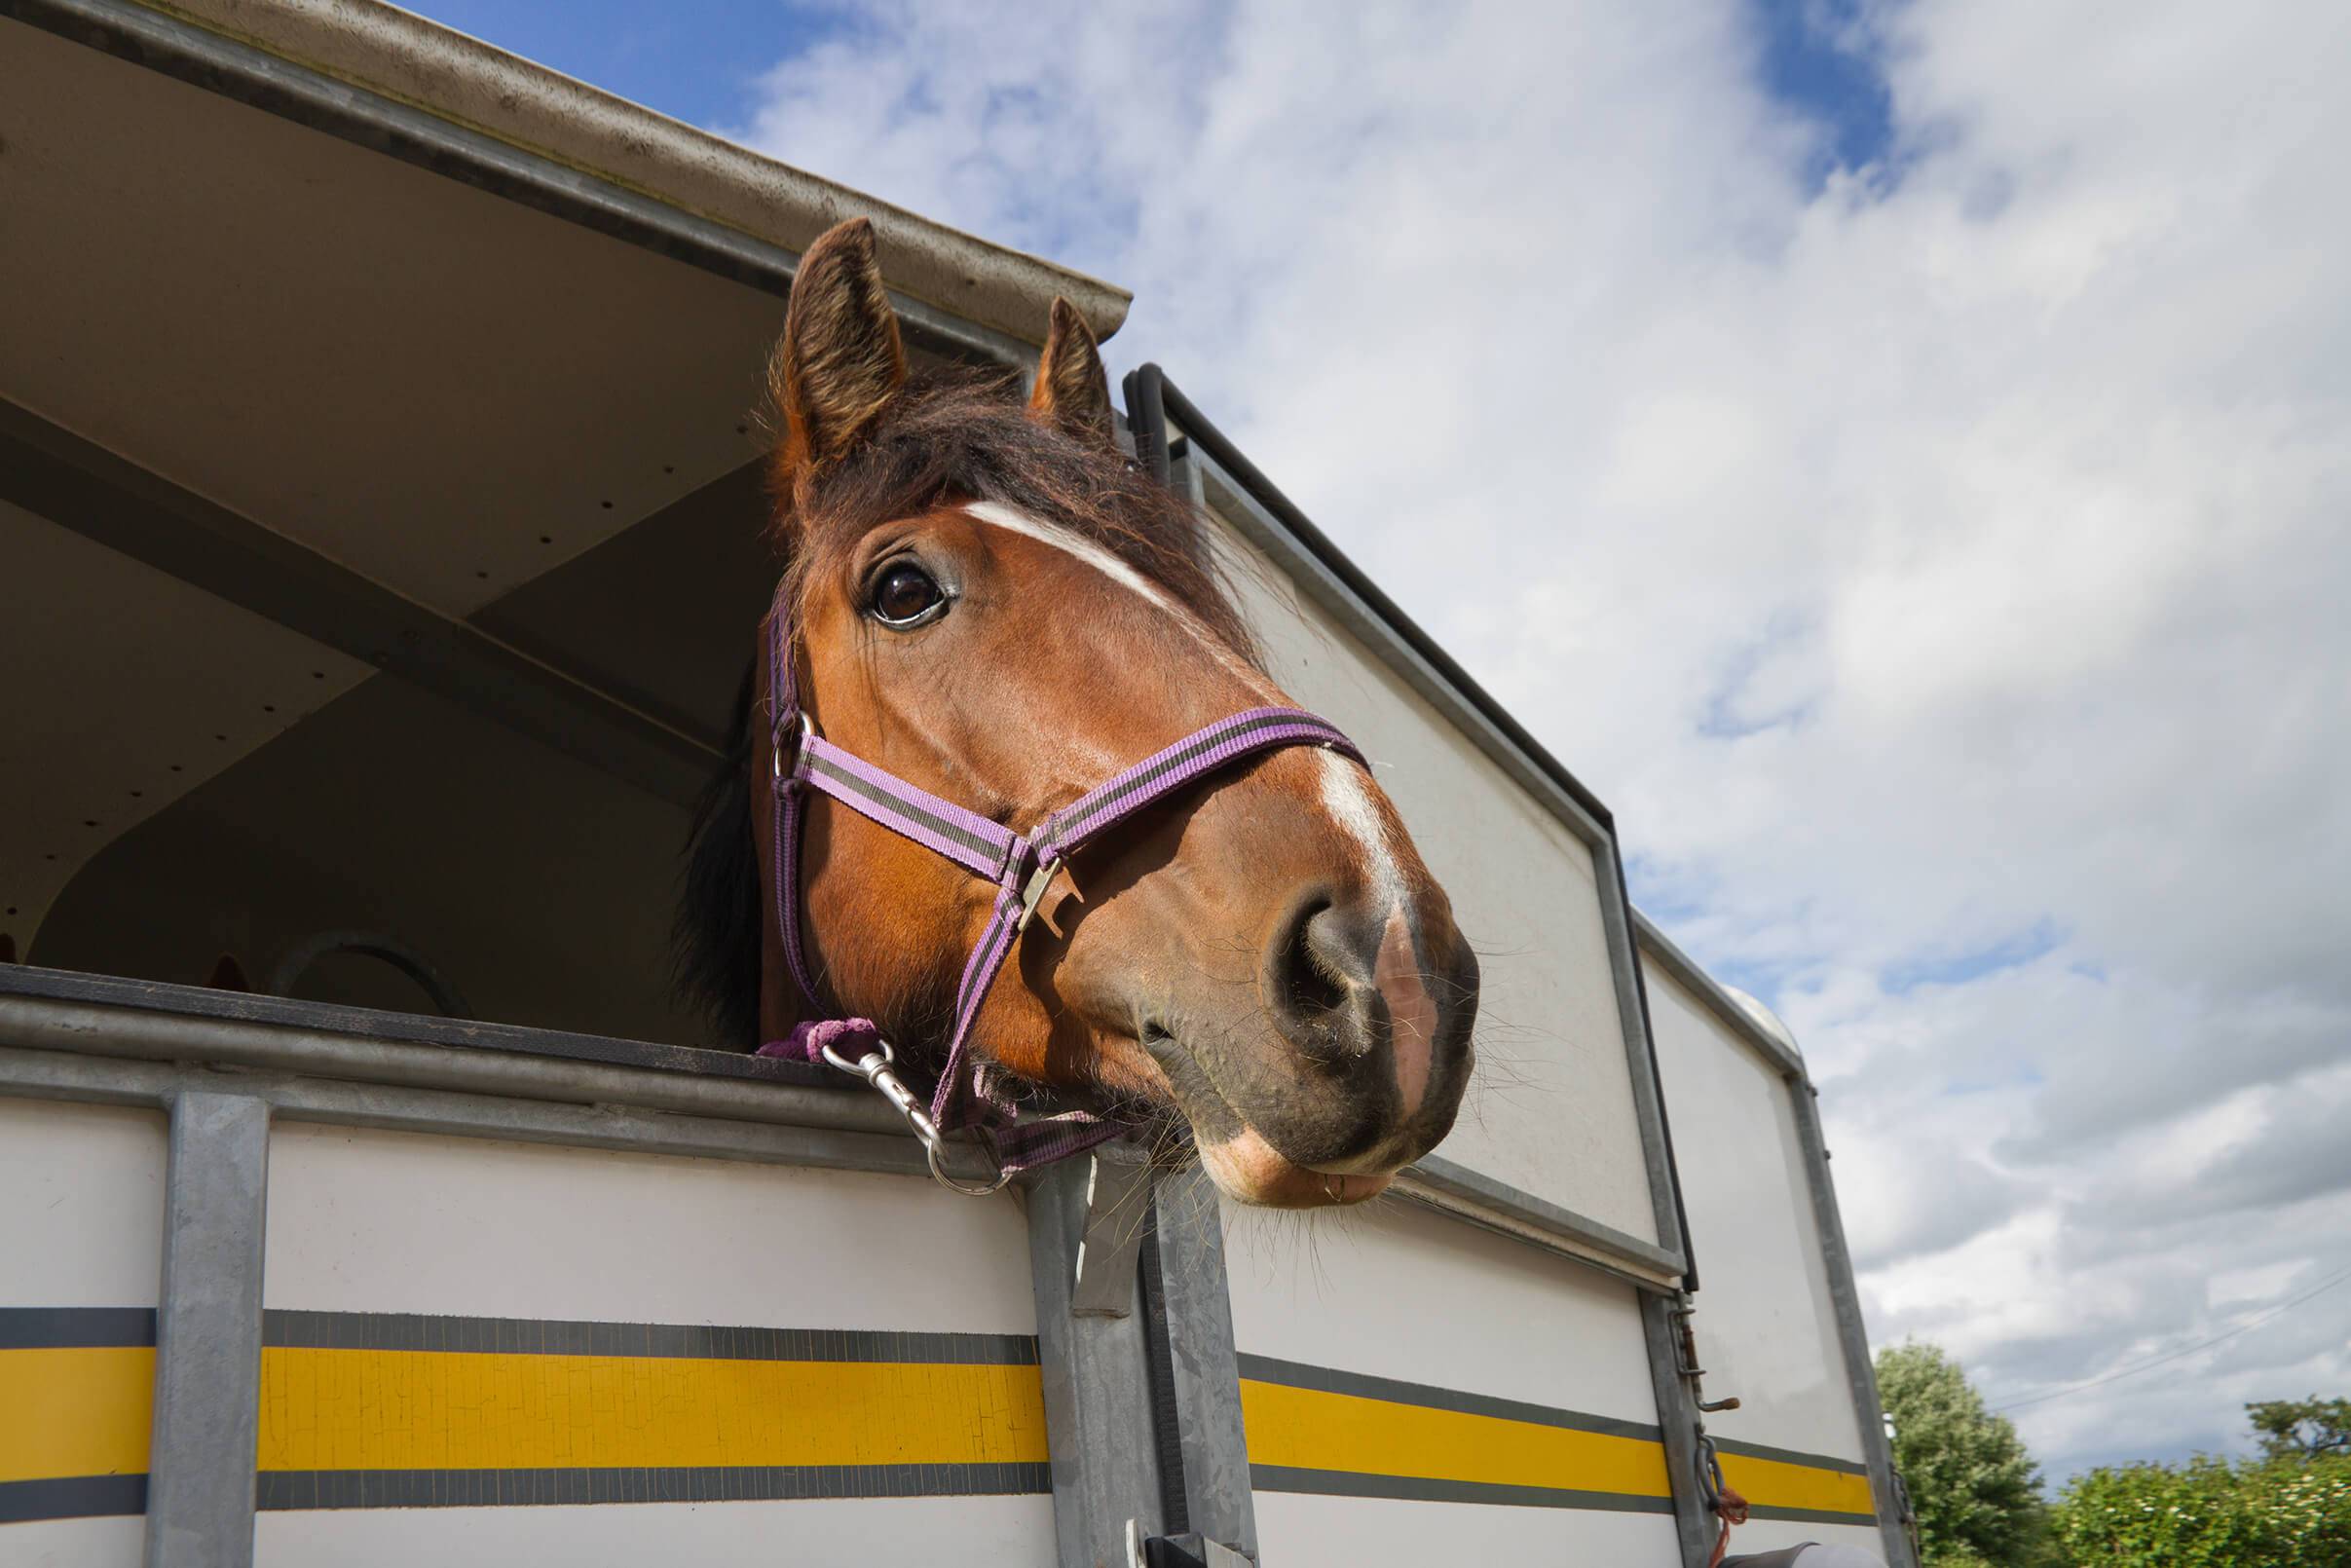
385 536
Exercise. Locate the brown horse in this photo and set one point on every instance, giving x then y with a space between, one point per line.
990 604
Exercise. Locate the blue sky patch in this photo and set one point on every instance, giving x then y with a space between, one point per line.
1958 969
1818 59
696 61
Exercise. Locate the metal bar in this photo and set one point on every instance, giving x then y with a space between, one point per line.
1641 1057
1684 969
1184 474
420 1028
1454 1189
39 1023
1149 422
190 53
208 1344
1694 1529
1852 1335
1196 1301
58 1075
1096 1385
79 485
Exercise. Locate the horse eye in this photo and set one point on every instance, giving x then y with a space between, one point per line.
905 594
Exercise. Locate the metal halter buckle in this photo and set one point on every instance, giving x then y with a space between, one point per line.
877 1068
1041 883
800 749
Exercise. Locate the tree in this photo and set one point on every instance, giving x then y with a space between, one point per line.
2303 1429
1972 1485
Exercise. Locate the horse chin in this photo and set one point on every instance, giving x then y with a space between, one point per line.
1243 1162
1252 1171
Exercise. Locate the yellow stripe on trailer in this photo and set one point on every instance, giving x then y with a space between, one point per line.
68 1413
78 1410
1809 1489
393 1409
1313 1430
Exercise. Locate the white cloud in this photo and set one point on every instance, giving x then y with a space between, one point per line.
1947 561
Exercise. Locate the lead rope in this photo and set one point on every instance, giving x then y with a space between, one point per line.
1024 869
1722 1500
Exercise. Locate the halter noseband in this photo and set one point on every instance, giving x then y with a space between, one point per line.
1023 867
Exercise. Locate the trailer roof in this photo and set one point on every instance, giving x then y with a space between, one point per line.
469 83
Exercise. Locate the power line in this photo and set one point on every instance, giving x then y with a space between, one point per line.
2249 1325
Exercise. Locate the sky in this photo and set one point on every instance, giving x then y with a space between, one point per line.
1894 452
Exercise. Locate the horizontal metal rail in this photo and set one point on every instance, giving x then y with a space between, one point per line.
1457 1191
107 1029
62 1075
534 1086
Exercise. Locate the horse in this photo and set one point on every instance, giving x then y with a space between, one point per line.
982 597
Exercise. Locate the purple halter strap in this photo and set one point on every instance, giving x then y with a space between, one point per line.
1022 866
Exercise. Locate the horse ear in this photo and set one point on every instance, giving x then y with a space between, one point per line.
839 361
226 975
1073 391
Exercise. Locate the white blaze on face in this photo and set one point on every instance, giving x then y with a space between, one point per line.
998 515
1412 1010
1347 797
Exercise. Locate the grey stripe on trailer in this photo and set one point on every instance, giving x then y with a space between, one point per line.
1425 1489
290 1490
1396 1391
533 1336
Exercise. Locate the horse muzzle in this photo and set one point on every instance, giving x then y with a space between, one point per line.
1356 1064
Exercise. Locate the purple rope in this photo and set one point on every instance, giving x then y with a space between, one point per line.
810 1037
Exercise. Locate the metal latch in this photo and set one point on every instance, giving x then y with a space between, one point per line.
1190 1550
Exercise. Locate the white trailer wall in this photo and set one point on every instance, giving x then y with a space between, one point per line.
81 1241
533 1322
1412 1384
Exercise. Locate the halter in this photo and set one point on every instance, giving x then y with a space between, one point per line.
1023 867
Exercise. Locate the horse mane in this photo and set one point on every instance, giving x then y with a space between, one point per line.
714 941
956 437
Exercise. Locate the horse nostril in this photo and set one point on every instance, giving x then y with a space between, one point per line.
1319 977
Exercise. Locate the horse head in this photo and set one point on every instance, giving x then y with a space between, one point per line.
989 603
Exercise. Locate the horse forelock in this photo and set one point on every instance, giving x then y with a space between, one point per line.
964 439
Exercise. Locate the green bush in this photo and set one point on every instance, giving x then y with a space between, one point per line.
1957 1557
2210 1513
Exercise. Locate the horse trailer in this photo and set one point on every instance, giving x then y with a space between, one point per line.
381 551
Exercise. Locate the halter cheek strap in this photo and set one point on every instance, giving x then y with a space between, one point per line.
1023 867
